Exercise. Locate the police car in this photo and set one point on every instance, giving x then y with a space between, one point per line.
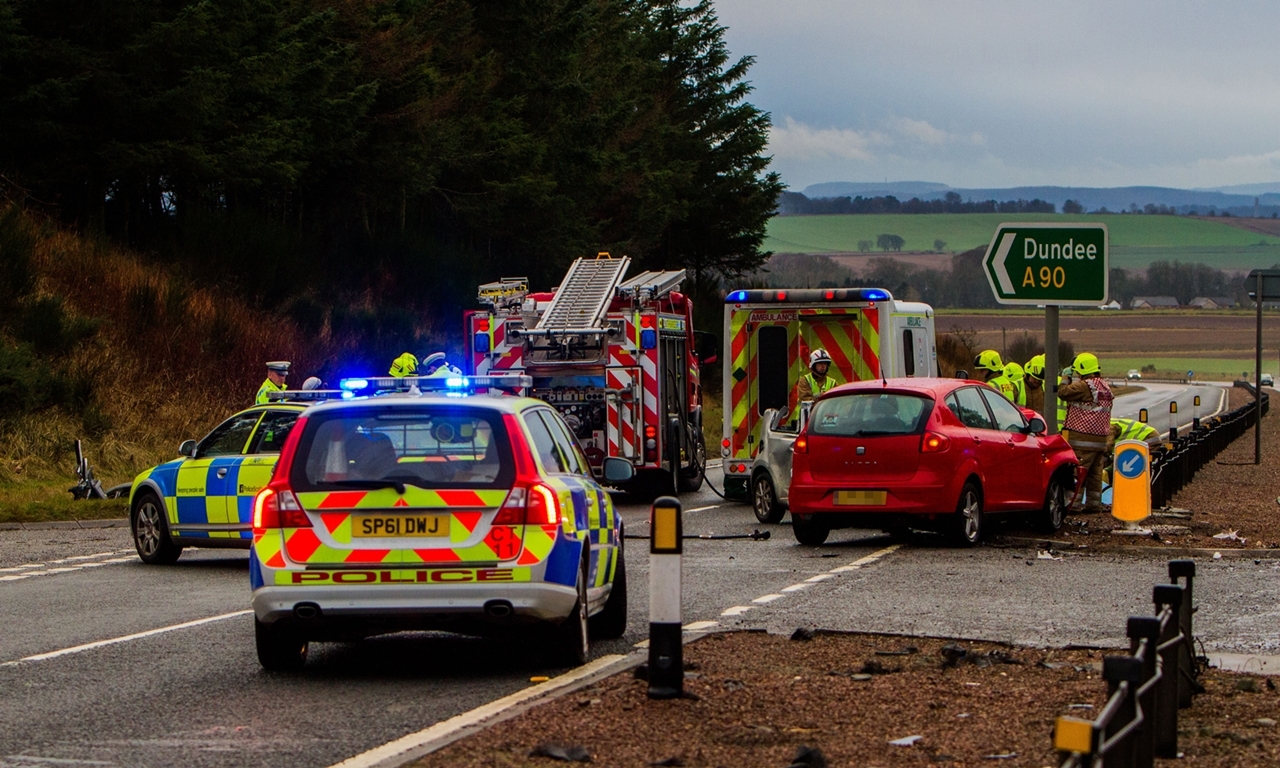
475 513
205 497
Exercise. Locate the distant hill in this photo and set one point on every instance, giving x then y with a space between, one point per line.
1239 200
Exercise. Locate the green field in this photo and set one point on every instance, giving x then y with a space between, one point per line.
1135 240
1207 368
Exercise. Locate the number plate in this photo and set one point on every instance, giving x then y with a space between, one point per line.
398 526
860 498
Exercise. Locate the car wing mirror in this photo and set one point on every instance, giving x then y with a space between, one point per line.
617 470
187 449
1036 427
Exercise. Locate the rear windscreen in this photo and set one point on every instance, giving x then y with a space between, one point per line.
430 447
867 414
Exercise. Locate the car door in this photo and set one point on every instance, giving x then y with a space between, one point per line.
252 471
992 449
205 481
1026 468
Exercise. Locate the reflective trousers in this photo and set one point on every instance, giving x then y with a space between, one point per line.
1096 461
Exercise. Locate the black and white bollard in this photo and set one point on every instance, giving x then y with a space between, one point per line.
1173 419
666 649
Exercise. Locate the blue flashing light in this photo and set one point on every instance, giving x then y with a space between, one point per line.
351 385
875 294
737 296
348 395
481 343
455 382
648 338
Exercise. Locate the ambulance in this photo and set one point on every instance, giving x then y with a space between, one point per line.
768 335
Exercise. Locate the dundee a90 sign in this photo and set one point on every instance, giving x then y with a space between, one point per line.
1051 264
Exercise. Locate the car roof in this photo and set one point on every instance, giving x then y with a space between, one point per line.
932 387
499 403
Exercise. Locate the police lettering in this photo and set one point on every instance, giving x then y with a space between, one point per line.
435 576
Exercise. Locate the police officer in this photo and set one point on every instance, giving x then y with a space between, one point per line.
404 365
1033 383
816 382
1088 423
277 373
436 364
1015 376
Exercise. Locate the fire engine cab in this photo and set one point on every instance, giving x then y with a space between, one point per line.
768 335
616 357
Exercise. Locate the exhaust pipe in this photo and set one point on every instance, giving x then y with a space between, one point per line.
498 609
306 611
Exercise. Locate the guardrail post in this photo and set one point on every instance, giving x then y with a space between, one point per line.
666 647
1168 597
1185 569
1117 670
1144 634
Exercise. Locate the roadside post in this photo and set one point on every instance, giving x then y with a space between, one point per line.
1173 419
666 648
1131 486
1050 265
1195 413
1265 286
1142 415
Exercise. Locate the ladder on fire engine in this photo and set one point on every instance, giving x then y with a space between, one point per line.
583 298
648 286
504 293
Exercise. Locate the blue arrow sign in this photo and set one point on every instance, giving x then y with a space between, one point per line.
1130 464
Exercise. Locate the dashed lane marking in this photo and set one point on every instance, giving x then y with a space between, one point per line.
65 565
736 610
819 577
704 509
117 640
698 626
795 587
767 598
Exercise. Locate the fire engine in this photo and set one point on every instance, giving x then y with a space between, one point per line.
768 335
616 357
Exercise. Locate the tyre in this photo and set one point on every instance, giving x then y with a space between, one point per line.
691 477
809 530
569 641
764 500
611 622
280 648
966 528
1050 518
150 527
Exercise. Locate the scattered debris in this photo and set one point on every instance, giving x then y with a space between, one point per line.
873 667
1005 756
734 685
1230 536
1217 555
906 741
808 757
1053 664
1248 685
1045 554
566 753
1265 722
1079 706
952 655
907 651
802 633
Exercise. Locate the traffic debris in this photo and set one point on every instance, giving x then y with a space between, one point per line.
1265 722
1005 756
671 762
1045 554
909 650
952 655
568 753
873 667
1230 536
802 634
906 741
808 757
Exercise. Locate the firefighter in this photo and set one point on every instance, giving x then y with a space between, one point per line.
404 365
990 365
1088 423
1033 383
277 374
816 382
1015 374
1131 429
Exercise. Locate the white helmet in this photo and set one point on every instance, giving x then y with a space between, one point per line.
819 355
312 383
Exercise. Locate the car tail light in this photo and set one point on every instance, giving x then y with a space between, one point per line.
276 507
801 445
534 504
932 442
651 443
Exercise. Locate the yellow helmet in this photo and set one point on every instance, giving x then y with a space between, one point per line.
1013 372
1035 367
404 365
1086 363
989 360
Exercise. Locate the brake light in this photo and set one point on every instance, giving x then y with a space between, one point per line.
801 445
277 507
535 504
934 443
724 443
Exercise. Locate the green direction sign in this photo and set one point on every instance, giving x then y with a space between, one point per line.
1061 264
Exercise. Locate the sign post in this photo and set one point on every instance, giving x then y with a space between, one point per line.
1264 285
1051 265
1131 485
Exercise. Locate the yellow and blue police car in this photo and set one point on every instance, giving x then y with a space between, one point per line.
204 498
476 513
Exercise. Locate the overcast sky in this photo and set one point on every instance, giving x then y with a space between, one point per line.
1000 93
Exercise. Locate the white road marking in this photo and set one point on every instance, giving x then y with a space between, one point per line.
124 639
67 565
819 577
407 748
874 556
703 509
795 587
698 626
736 610
767 598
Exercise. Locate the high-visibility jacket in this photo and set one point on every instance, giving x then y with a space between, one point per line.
1004 386
811 386
267 387
1129 429
1019 392
1062 409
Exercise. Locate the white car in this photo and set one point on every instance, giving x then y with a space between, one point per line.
1133 374
1268 380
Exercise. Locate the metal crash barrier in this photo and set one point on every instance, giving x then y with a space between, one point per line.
1146 689
1175 463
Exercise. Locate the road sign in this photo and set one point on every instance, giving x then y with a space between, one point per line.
1131 482
1050 264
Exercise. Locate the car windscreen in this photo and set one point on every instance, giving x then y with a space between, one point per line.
870 414
426 446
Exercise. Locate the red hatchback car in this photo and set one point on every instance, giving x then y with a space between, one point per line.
937 454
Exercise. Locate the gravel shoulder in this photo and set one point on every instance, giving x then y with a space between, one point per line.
760 698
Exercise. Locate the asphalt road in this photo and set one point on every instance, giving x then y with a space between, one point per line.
195 695
1156 398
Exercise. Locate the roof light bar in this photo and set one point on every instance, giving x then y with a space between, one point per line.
305 395
806 295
